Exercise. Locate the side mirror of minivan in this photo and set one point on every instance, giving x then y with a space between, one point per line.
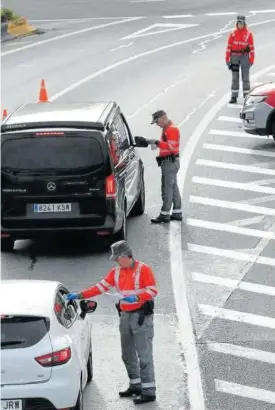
87 306
141 142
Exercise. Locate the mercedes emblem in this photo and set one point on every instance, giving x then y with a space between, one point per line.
51 186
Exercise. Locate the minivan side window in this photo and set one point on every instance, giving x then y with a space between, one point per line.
66 313
123 137
115 151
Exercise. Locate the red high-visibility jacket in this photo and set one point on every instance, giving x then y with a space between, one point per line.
138 280
238 40
170 141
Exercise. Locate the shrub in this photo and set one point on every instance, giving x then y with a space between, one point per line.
8 15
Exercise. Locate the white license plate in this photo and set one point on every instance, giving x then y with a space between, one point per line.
52 207
11 405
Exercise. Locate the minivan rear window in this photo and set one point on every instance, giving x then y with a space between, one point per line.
18 332
49 152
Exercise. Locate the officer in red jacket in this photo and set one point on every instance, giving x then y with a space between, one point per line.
240 53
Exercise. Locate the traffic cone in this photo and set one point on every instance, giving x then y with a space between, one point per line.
5 114
43 95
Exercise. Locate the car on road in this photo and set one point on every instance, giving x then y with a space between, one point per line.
258 112
46 346
69 168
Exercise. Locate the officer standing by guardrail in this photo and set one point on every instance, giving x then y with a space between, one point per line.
240 53
168 160
136 283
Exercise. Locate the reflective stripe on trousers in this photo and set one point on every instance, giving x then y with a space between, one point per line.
169 187
137 343
243 62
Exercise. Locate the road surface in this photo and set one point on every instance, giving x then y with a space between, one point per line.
215 316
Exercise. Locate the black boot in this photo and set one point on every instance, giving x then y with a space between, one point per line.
143 398
233 100
130 392
176 217
161 219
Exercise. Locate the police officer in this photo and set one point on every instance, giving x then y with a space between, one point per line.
136 283
168 160
240 53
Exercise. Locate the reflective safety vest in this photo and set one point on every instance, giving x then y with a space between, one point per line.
170 141
238 41
137 280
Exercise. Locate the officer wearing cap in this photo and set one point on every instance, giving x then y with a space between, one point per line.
240 53
168 160
136 283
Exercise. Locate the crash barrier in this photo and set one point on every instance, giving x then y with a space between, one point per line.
15 29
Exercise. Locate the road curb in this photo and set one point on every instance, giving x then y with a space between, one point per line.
17 29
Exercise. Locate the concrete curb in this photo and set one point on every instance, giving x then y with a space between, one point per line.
17 29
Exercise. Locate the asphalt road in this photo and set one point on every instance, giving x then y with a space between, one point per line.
182 71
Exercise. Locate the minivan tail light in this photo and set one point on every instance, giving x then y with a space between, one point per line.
55 358
110 187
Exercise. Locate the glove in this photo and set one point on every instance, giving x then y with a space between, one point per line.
72 296
131 299
153 142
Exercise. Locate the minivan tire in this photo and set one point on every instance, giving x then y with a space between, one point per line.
139 206
273 130
80 404
90 372
121 235
7 244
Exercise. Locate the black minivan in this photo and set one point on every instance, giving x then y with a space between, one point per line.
66 168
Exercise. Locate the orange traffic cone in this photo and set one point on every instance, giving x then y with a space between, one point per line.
43 96
5 114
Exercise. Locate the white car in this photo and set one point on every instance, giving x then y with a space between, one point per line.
46 350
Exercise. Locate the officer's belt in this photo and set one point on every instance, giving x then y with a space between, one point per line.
146 309
169 158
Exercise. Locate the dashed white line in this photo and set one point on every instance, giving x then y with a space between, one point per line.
262 11
237 316
229 119
235 134
247 392
225 253
234 284
238 106
271 74
227 13
179 16
229 228
235 167
237 150
238 206
122 46
241 351
250 186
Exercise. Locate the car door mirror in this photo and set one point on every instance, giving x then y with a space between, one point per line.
87 306
141 142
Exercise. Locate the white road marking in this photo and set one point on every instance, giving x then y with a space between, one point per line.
237 316
241 351
73 33
248 221
229 228
271 74
262 11
234 284
235 167
122 46
238 150
235 134
225 253
179 16
238 106
264 181
161 28
261 200
229 119
245 391
228 13
157 96
231 205
145 1
245 186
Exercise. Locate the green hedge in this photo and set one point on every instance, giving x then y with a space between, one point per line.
8 15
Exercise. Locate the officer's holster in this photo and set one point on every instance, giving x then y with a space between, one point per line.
146 310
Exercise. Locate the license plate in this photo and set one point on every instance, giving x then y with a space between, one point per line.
52 207
11 405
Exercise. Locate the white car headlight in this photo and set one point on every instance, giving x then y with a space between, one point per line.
255 99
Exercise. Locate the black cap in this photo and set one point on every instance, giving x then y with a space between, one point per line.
158 114
121 248
241 19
